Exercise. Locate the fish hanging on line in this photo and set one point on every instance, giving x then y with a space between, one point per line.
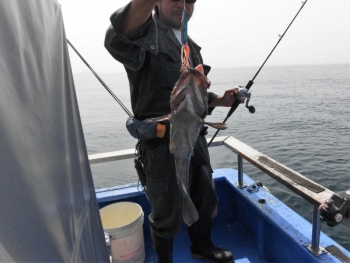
189 107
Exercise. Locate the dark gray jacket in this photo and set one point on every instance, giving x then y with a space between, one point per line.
151 57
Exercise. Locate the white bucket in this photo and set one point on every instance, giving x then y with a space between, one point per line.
123 222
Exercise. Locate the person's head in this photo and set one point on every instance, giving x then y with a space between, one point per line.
170 11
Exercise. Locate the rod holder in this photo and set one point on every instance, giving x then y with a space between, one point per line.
240 183
314 247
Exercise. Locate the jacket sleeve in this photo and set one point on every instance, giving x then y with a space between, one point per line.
211 95
129 50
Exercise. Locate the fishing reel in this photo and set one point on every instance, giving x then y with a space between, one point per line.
245 94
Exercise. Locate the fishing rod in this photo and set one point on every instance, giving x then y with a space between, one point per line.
244 93
102 82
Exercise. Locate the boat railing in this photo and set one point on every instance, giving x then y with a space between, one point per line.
320 197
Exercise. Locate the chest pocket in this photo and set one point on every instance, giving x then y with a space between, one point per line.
166 69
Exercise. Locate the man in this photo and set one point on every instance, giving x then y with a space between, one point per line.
149 48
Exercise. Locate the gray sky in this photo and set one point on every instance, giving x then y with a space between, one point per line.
232 33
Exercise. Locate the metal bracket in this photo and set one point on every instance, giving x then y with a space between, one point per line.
317 252
240 186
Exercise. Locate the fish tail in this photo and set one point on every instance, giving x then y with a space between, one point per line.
189 211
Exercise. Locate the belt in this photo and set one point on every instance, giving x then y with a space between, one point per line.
153 143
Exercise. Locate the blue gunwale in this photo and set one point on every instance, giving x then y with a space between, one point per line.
254 232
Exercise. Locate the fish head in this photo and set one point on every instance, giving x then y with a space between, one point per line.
193 82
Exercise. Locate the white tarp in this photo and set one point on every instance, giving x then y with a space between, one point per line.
48 208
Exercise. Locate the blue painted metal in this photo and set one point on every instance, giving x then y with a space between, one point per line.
256 227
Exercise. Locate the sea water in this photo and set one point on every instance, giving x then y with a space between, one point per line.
302 120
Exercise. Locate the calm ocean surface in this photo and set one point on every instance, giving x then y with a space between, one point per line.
302 120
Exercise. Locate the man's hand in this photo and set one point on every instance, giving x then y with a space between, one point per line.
227 99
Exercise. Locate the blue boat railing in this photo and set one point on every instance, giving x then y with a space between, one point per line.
309 190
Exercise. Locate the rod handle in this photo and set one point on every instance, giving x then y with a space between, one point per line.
233 108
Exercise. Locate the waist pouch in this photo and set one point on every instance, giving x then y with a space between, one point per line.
141 130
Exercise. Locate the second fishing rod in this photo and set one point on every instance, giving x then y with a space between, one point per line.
244 93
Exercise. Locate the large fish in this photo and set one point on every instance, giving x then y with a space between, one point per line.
189 107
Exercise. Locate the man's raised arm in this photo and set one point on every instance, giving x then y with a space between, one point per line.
137 15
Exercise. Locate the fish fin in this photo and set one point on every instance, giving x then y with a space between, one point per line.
189 211
216 125
200 68
158 119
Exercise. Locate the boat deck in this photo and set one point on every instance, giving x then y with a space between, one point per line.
231 236
254 226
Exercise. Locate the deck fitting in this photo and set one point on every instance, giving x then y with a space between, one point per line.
240 186
317 252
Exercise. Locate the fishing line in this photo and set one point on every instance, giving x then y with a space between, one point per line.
244 92
102 82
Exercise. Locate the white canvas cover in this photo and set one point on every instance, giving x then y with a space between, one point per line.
48 207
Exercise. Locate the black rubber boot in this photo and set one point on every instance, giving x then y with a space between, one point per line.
214 254
202 247
163 247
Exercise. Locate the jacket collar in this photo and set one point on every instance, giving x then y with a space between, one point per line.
168 30
195 49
